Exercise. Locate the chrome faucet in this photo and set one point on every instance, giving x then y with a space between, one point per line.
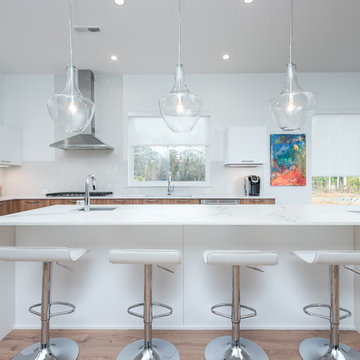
171 186
90 179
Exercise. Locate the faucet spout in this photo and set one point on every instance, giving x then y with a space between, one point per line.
90 180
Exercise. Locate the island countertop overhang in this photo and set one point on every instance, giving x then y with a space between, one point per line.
174 215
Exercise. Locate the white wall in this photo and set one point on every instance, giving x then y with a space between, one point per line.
1 98
230 99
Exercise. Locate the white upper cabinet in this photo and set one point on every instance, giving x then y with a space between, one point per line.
10 146
246 146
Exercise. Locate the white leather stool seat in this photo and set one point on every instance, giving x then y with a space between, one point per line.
329 257
43 254
241 257
144 256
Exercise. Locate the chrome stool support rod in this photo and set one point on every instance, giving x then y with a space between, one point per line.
235 316
149 348
331 348
234 347
335 305
148 307
45 304
49 349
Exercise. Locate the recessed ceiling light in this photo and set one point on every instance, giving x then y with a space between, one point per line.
226 57
119 2
113 57
248 1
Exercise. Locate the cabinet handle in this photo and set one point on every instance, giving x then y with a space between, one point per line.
119 201
71 201
31 201
247 161
181 201
151 201
2 204
6 161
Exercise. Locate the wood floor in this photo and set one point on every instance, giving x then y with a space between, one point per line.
106 344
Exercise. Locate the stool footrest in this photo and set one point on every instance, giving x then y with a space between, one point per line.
157 316
310 313
252 313
66 312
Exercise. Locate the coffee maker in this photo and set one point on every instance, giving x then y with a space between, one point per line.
252 185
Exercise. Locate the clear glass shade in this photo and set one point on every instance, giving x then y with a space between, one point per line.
70 110
294 107
180 109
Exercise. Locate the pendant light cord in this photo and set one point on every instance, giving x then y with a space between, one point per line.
70 32
180 30
291 29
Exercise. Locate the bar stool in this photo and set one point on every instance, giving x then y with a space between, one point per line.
236 347
46 349
148 348
329 349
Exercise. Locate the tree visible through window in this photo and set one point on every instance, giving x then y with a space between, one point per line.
153 163
336 190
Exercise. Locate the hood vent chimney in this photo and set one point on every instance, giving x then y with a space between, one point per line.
87 139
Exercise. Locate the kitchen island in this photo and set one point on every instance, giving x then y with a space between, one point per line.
102 291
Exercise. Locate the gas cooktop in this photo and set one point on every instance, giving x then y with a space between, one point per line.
78 194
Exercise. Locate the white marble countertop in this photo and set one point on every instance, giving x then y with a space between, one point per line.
69 215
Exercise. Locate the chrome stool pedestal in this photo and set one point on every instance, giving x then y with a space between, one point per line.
234 347
158 350
148 348
56 349
49 349
329 349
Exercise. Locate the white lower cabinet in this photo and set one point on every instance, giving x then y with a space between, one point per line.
10 146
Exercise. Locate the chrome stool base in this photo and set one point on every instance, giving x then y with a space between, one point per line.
320 349
222 349
60 349
162 350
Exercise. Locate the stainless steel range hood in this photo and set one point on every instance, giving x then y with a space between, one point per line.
87 139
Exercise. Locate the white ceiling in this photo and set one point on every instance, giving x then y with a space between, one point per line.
143 33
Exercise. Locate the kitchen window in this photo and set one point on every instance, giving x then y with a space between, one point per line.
154 150
335 159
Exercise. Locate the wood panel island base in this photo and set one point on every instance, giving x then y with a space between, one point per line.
98 289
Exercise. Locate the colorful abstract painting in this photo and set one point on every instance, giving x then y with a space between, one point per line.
288 159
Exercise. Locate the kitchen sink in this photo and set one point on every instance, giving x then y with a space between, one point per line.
99 208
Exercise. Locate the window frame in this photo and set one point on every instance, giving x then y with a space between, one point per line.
327 111
161 184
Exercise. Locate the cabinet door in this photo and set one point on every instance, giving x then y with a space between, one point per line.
246 146
182 201
63 201
32 204
257 201
11 206
10 146
123 201
151 201
4 208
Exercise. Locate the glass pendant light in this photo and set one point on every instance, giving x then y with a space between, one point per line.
180 109
292 109
70 110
